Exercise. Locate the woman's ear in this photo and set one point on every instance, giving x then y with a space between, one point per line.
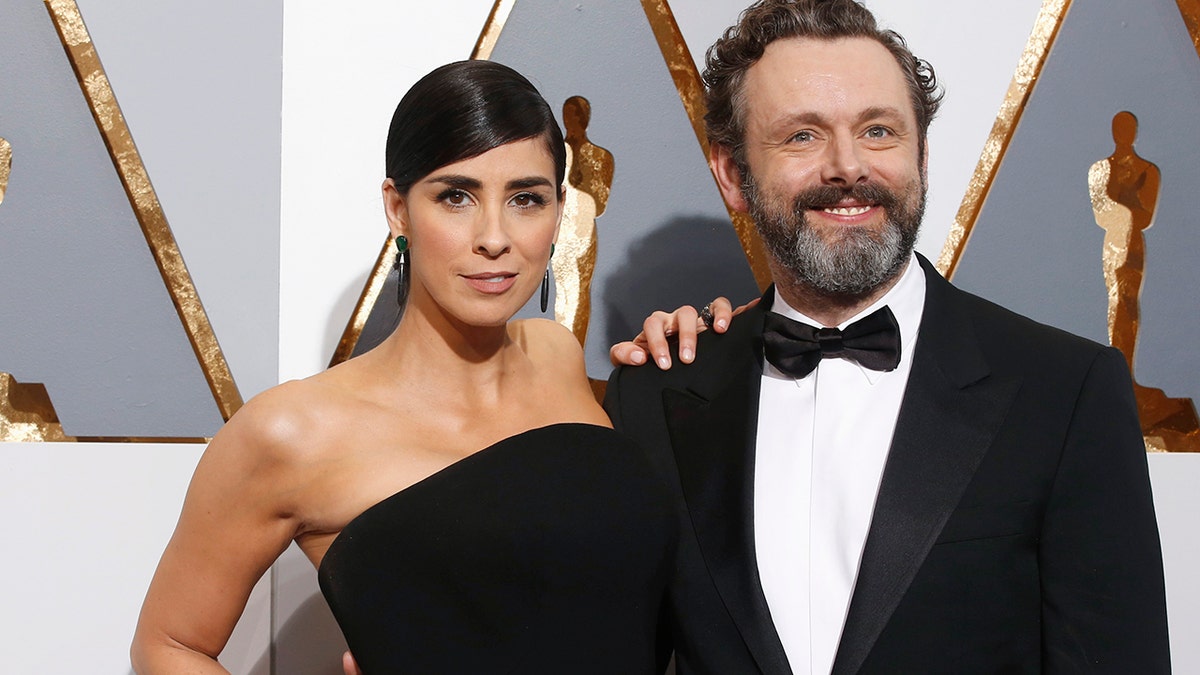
395 208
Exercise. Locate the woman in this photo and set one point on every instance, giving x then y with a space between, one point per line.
457 487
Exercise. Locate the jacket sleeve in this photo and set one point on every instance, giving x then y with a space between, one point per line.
1103 596
612 398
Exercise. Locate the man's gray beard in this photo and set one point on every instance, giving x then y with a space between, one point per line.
861 260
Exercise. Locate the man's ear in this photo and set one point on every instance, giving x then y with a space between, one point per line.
395 208
729 177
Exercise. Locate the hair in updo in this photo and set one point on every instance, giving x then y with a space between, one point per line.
462 110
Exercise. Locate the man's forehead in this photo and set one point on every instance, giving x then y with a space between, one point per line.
835 74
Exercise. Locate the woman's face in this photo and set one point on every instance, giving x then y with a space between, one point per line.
479 231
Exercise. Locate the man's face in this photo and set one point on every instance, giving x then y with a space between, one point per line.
832 174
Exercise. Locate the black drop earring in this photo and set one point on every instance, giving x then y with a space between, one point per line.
546 283
402 270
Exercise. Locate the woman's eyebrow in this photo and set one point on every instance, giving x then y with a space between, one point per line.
458 181
529 182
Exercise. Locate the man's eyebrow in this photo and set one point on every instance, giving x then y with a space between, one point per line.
812 117
806 117
882 111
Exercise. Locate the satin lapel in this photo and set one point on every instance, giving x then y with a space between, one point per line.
953 406
713 427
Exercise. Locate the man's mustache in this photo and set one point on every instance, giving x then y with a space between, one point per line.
830 196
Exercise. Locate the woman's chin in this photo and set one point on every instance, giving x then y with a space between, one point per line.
489 314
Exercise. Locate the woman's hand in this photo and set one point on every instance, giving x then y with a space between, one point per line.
684 324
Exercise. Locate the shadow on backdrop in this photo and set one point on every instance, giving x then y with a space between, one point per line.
685 261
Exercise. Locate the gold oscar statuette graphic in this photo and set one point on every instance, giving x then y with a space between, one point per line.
589 179
1124 192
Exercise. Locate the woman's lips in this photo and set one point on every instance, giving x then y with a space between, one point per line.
491 283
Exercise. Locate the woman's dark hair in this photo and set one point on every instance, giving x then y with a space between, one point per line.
462 110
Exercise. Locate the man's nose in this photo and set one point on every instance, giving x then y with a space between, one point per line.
844 163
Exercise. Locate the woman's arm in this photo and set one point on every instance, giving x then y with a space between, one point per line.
237 518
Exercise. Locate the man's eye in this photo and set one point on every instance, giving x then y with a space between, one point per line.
802 137
878 132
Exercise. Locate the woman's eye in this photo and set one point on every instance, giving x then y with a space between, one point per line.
528 199
454 197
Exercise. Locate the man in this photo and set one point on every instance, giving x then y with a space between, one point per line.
972 497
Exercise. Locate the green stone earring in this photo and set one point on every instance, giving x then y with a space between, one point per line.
401 269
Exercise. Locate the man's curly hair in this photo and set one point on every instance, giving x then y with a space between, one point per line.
766 21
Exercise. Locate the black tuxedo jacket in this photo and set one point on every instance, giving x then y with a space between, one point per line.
1013 530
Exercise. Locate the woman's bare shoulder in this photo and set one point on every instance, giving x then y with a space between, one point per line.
543 338
291 421
558 358
280 451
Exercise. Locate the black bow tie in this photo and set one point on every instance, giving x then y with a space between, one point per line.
796 348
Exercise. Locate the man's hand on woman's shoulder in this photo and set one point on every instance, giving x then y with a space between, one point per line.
683 324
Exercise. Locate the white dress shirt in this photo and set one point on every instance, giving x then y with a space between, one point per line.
821 446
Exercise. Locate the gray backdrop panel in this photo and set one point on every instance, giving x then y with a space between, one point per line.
83 308
1036 247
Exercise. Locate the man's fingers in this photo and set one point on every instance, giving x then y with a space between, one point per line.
628 353
656 329
688 323
684 324
721 311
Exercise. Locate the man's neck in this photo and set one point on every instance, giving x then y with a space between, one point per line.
827 308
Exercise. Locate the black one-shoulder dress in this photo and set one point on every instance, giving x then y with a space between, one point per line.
548 552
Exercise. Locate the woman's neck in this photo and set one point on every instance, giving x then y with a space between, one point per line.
472 362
